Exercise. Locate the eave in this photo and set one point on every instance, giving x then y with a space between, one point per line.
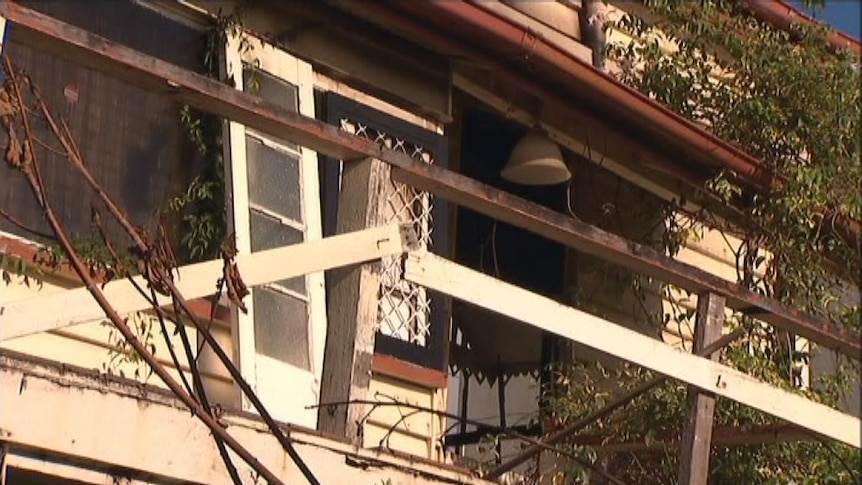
468 30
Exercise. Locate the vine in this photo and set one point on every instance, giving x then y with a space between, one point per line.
203 204
795 105
121 355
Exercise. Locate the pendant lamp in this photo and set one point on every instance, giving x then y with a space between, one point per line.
536 160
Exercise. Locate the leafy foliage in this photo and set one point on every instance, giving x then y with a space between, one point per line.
786 99
203 205
122 357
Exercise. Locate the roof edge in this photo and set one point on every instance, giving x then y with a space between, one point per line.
783 15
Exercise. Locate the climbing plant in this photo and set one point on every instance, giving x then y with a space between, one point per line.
789 100
203 205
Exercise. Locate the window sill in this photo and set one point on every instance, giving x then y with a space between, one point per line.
406 371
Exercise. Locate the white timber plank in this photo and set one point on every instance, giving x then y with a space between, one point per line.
67 471
439 274
41 313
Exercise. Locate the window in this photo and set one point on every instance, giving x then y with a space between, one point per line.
131 138
273 202
414 322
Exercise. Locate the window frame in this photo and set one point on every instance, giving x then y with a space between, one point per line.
294 71
434 355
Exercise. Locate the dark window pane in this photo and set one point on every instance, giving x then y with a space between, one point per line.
281 327
270 88
268 233
131 139
273 179
274 90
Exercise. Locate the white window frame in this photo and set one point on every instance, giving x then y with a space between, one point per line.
286 67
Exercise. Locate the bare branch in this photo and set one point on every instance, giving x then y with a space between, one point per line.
18 223
583 462
619 402
159 274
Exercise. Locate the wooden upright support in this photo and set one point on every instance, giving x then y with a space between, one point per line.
353 306
697 435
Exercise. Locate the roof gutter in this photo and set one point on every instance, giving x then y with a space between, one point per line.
503 38
565 69
784 16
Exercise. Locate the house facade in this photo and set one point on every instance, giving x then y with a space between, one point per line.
399 285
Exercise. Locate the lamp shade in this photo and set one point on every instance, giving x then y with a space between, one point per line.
536 160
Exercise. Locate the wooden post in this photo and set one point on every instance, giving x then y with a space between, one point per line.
697 435
353 306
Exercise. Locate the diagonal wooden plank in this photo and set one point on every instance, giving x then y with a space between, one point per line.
41 313
465 284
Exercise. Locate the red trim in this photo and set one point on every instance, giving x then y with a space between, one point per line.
202 307
393 367
21 249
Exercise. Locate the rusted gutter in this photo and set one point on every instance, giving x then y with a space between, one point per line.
783 16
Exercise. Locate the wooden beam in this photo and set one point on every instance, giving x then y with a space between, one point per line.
70 307
57 38
481 290
589 239
697 434
722 436
353 306
64 471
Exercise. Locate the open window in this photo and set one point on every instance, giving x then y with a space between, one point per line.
274 201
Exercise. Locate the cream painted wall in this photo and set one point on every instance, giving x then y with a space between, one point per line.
91 345
403 429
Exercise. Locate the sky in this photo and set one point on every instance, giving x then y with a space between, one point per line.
844 15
